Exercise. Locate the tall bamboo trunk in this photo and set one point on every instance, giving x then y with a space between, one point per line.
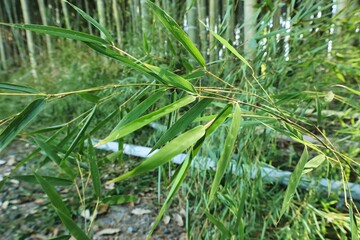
203 34
145 18
29 37
101 12
88 11
66 14
250 29
212 23
117 21
2 52
192 21
47 37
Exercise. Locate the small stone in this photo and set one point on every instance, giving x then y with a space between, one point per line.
178 220
166 220
132 230
11 160
2 162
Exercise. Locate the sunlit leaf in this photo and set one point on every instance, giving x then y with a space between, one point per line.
165 154
294 181
71 225
226 152
142 121
17 88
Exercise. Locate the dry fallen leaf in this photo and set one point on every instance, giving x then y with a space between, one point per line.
178 220
166 219
108 231
140 211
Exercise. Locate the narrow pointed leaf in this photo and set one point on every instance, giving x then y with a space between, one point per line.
55 181
60 32
119 199
17 88
73 228
81 133
89 97
93 22
94 170
218 224
20 122
353 225
177 32
51 153
165 154
314 163
53 196
181 124
294 181
142 121
140 109
227 151
171 78
231 49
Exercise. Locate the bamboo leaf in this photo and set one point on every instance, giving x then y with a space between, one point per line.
140 109
140 122
119 199
171 78
294 181
94 170
55 181
231 49
226 151
181 124
177 32
20 122
165 154
93 22
73 228
353 225
53 196
218 223
18 88
314 163
80 133
89 97
59 32
51 153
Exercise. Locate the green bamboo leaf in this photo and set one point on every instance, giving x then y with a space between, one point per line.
73 228
55 181
353 225
140 109
60 32
165 154
81 133
314 163
231 49
89 97
177 32
20 122
53 196
93 22
218 223
47 129
294 181
17 88
51 153
140 122
119 199
220 118
181 124
226 151
94 170
171 78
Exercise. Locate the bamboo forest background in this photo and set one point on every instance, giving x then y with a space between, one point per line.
305 55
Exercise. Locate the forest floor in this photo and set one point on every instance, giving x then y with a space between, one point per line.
25 212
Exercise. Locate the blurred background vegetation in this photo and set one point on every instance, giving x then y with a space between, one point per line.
305 53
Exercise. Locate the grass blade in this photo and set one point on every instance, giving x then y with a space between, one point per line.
294 181
20 122
93 22
17 88
218 223
353 225
165 154
181 124
140 122
226 152
171 78
177 32
53 196
60 32
94 170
